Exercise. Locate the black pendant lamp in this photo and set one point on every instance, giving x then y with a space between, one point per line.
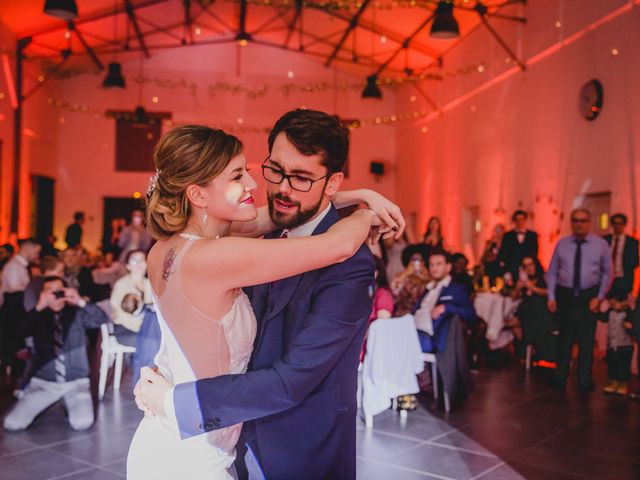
371 89
65 9
444 24
114 76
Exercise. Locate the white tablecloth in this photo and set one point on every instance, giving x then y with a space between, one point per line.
494 309
392 361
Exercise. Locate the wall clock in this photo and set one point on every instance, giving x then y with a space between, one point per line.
590 100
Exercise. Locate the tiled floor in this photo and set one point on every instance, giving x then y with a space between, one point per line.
513 427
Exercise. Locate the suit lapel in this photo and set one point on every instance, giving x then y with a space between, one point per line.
281 291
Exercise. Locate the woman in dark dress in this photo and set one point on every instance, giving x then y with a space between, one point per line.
534 321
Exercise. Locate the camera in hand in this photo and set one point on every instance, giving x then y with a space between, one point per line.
58 294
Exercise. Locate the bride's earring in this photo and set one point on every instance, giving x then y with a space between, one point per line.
205 217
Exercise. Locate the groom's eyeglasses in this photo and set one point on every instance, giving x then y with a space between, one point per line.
297 182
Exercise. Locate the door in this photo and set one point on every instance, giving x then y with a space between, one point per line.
599 204
41 216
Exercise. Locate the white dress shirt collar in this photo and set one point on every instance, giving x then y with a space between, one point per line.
308 228
445 282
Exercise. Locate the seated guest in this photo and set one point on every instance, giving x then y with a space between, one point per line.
50 267
442 300
533 322
408 285
76 275
58 325
382 298
619 343
133 288
459 274
490 260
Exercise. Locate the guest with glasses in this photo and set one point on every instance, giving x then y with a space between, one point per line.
578 279
624 254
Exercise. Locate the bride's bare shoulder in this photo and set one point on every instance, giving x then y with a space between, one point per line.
161 257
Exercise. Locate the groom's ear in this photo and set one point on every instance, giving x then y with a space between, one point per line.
333 184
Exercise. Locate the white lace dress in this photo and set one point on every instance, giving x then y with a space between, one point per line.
193 346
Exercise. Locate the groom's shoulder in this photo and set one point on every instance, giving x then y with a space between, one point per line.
360 263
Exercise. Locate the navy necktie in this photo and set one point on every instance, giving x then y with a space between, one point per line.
577 261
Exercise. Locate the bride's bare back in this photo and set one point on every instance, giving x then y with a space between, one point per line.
213 329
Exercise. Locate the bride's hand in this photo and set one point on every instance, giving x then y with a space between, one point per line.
388 211
151 390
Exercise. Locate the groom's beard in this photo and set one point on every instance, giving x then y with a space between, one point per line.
282 220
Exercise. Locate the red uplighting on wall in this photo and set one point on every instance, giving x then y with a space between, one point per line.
11 86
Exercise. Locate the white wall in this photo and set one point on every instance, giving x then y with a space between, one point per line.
518 140
84 152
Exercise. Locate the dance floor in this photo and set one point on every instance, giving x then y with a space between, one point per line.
513 427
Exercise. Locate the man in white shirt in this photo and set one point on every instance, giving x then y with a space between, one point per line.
15 278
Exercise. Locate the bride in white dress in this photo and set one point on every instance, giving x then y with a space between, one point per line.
200 197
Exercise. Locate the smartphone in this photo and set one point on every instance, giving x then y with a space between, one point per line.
58 294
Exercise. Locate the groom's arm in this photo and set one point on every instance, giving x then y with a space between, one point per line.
339 307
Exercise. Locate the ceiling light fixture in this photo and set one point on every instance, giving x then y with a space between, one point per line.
371 89
114 76
445 25
65 9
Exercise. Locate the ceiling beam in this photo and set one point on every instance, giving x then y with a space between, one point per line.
353 23
86 46
292 25
136 27
405 43
188 21
391 35
92 17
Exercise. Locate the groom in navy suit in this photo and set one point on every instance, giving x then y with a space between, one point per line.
298 400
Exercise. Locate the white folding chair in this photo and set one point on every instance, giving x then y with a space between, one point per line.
111 351
431 358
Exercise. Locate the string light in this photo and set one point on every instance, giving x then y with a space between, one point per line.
239 126
615 52
155 99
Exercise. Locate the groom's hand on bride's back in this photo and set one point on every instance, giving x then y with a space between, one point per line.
150 391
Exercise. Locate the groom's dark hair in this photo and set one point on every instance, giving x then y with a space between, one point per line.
315 133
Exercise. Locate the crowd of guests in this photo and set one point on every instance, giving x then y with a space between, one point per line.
590 279
53 305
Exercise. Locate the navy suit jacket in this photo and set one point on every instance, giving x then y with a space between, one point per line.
456 301
299 396
629 260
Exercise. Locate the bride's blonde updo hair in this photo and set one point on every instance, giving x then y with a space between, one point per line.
187 155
